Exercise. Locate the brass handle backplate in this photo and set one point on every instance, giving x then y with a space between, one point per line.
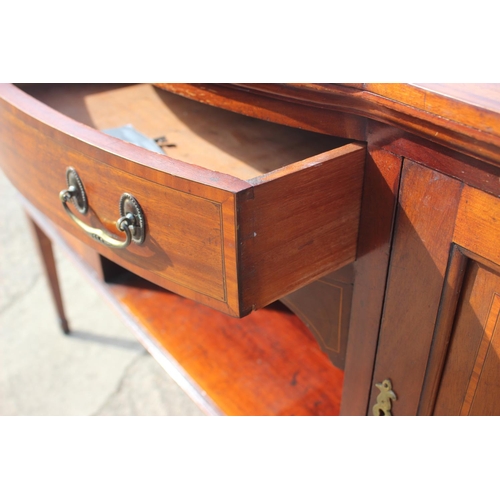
131 220
384 405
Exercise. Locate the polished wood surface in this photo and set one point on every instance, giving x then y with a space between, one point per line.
473 172
194 133
185 250
325 308
464 117
437 341
470 380
295 228
428 205
462 372
265 364
443 330
22 110
381 184
231 244
268 363
478 224
49 266
413 251
265 106
476 105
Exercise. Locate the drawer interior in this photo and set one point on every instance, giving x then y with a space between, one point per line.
195 133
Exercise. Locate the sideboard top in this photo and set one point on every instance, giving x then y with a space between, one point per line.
473 104
464 117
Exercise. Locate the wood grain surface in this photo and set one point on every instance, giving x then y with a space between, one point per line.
428 205
265 364
195 133
49 267
277 109
478 224
470 380
470 170
424 310
227 243
325 308
463 117
186 248
380 192
294 228
443 330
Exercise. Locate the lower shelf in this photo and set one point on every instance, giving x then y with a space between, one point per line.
267 363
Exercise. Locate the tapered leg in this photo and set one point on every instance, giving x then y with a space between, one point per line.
49 265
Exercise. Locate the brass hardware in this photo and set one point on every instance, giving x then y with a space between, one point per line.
384 405
75 186
131 220
129 206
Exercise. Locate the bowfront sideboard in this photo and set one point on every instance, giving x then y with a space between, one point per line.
280 249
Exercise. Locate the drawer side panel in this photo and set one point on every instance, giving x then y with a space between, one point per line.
299 226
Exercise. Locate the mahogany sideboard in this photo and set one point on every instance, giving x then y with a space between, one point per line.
285 249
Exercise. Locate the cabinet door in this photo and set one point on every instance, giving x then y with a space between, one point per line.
465 349
427 208
438 344
471 379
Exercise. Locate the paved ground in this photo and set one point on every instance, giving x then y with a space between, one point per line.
100 369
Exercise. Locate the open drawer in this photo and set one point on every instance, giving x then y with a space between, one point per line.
237 213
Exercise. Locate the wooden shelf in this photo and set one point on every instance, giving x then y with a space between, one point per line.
265 364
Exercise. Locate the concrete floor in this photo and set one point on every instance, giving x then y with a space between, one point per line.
99 369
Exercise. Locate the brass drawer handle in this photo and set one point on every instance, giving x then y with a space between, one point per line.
131 220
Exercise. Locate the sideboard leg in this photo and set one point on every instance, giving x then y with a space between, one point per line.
49 265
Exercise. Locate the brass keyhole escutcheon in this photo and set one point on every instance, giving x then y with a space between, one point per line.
384 399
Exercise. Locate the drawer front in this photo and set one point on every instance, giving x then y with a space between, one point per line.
231 244
185 249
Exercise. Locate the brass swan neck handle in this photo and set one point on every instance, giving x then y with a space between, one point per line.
131 221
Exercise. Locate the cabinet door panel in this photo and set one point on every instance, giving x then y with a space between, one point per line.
428 204
471 379
470 383
439 341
